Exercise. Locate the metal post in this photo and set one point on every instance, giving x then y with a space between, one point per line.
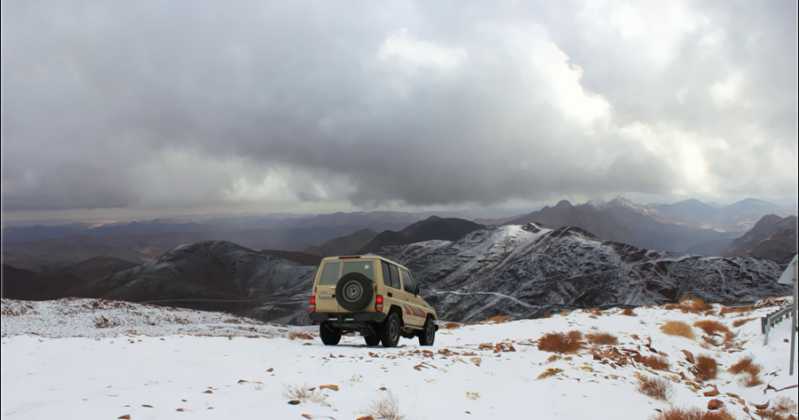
795 313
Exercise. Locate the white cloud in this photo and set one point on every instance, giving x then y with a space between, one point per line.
405 52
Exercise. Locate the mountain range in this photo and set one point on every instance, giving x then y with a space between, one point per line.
519 271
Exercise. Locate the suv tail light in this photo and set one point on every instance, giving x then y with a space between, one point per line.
313 304
379 303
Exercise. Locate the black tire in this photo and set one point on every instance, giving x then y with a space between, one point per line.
354 291
390 331
428 335
330 336
372 340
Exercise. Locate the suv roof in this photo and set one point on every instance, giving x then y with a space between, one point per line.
353 257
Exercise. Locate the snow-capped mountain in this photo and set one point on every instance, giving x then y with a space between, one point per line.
524 271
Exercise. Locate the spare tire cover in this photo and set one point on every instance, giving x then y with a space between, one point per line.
354 291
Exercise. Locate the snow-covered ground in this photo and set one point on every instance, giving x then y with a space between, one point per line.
87 359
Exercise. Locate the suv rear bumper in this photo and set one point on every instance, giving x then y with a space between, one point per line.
317 317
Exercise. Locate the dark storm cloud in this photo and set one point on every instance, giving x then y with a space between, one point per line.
162 105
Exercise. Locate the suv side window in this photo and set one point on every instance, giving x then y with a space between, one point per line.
395 279
408 282
386 274
330 273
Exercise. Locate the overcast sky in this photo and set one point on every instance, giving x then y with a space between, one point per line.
174 106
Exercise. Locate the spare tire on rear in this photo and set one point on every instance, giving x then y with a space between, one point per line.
354 291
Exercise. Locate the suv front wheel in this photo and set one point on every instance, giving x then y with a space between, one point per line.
428 335
390 332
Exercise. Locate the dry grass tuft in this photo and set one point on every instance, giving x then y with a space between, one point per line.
782 408
657 388
561 343
656 362
627 312
565 313
499 319
303 393
693 414
711 327
750 381
452 325
549 372
742 365
387 407
752 370
472 395
784 404
602 339
678 328
725 310
737 323
546 315
705 368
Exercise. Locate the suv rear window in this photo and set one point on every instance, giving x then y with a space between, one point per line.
330 273
367 268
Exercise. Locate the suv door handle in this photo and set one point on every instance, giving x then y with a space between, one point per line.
390 295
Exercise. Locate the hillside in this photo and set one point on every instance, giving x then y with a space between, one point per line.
595 220
431 228
179 363
212 275
345 245
524 271
772 238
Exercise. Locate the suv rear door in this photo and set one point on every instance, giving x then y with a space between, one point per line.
325 290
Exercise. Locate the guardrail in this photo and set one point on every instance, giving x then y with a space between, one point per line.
773 318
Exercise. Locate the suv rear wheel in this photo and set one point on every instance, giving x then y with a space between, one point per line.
390 332
428 335
330 336
372 340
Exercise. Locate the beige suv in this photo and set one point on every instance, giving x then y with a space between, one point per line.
372 295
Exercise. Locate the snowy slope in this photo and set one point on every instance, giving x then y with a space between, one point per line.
483 371
524 271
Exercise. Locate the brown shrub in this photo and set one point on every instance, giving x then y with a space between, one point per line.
549 372
784 404
737 323
657 388
656 362
750 380
565 313
452 325
705 368
725 311
711 327
627 312
602 339
695 304
693 414
678 328
546 315
741 365
558 342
